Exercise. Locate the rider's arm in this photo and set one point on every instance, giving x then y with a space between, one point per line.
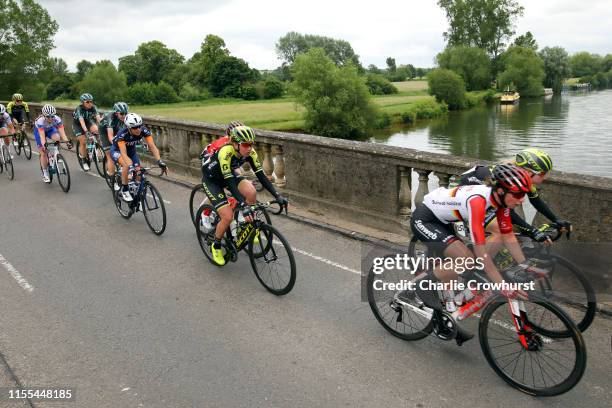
536 200
225 155
152 148
261 176
476 209
520 223
27 111
505 226
110 134
62 132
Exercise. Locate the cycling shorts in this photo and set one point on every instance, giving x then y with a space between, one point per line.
216 192
116 154
48 134
429 229
78 130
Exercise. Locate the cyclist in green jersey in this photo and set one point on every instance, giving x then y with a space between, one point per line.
86 119
110 125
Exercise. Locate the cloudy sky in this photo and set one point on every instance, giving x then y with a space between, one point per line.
408 30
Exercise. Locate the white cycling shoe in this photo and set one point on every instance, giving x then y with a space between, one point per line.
126 196
46 177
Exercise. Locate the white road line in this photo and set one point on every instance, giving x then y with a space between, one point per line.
15 274
325 260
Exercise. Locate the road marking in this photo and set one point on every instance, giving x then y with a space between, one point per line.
325 260
15 274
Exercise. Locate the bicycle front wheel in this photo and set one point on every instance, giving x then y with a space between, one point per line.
63 173
109 179
196 199
8 162
153 209
275 266
16 142
530 360
26 146
99 157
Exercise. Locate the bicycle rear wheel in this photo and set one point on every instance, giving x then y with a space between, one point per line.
8 162
153 209
275 267
16 147
26 146
401 313
99 157
532 362
206 220
63 173
196 199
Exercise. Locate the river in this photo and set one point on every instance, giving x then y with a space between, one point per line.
574 128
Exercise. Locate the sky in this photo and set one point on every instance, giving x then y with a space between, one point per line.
408 30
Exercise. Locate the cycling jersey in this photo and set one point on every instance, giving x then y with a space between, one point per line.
468 204
110 121
219 165
483 174
48 128
5 119
130 140
88 115
18 112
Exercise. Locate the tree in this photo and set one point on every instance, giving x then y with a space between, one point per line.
152 62
293 44
26 37
212 50
228 75
471 63
524 69
391 64
448 87
83 67
485 24
373 69
584 63
105 83
526 40
60 86
336 99
556 67
379 85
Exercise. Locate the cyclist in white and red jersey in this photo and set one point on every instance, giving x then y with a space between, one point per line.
432 223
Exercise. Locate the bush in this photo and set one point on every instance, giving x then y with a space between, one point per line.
337 100
141 93
379 85
59 87
191 93
34 90
105 83
164 93
382 121
248 92
447 87
273 88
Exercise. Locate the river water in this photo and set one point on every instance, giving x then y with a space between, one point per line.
574 128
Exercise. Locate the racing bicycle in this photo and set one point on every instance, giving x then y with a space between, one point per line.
21 143
6 161
95 153
57 164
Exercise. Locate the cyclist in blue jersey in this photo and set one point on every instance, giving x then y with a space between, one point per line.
48 126
123 150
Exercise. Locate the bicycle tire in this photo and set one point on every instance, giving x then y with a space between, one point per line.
8 162
109 180
577 343
376 307
18 147
206 238
157 200
78 154
62 170
269 233
194 191
123 208
99 157
26 146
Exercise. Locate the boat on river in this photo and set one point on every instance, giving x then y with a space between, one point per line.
509 97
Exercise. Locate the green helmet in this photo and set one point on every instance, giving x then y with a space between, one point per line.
231 125
86 97
242 134
17 97
120 107
535 160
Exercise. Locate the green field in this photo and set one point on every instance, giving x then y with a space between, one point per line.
275 114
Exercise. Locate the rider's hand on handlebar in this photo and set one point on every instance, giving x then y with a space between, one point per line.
163 166
69 145
540 236
564 225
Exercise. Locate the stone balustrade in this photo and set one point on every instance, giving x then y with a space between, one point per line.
372 184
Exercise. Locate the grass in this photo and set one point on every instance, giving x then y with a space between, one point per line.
274 114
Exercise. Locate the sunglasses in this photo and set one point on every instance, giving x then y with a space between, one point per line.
49 116
137 127
518 196
18 101
246 145
88 102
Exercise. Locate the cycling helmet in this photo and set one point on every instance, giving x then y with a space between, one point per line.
17 97
231 125
512 179
86 97
2 109
48 110
242 134
535 160
132 120
120 107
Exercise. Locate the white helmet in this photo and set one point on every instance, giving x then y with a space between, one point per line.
48 110
133 120
2 109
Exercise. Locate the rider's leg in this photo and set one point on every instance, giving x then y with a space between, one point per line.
248 191
4 132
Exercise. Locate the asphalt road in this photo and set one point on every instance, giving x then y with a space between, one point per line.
99 304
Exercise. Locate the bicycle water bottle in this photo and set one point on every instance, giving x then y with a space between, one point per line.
233 228
449 300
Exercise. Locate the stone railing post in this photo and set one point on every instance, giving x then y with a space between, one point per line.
279 167
405 193
422 189
268 164
444 179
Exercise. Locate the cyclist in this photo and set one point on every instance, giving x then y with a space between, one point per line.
123 150
85 120
110 125
19 111
48 126
217 174
539 165
6 122
431 223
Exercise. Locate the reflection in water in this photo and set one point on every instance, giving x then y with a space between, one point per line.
575 129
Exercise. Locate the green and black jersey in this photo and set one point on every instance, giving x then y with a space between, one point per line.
89 115
109 121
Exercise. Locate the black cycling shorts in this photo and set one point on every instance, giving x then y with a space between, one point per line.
430 230
215 191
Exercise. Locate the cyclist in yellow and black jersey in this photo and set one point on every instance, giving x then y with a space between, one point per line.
539 164
19 110
218 173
